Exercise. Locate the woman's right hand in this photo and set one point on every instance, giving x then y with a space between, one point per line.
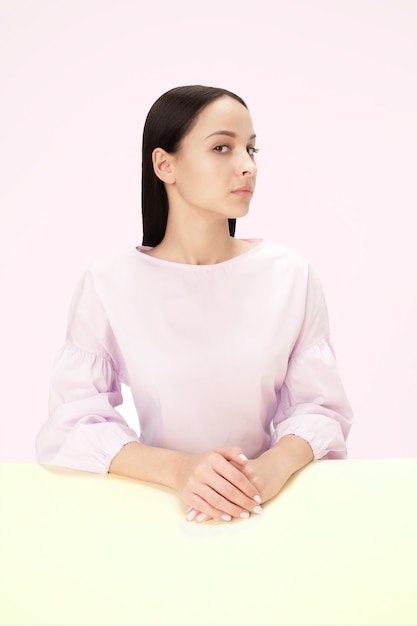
214 488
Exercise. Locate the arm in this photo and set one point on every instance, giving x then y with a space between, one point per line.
84 430
312 401
312 421
210 482
272 469
313 416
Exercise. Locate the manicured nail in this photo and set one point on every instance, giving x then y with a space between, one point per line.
242 456
191 515
244 514
226 518
257 509
258 499
201 517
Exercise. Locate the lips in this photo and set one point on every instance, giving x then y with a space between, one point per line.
243 191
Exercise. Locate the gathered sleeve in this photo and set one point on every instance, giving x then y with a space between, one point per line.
312 401
84 431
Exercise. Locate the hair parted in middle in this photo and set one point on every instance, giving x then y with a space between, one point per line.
168 121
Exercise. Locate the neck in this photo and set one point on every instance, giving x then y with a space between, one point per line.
196 241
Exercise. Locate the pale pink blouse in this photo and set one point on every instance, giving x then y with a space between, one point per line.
235 353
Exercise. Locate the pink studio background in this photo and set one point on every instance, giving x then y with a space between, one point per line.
331 86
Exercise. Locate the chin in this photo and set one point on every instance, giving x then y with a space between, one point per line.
241 212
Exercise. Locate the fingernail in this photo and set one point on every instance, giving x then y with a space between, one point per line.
257 509
257 499
201 517
191 515
244 457
244 514
226 518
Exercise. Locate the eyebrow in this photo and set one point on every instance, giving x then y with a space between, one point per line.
228 133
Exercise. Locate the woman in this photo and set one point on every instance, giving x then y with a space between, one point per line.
224 342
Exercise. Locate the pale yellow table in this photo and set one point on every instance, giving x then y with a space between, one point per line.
337 546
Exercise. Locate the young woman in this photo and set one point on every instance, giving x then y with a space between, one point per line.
224 342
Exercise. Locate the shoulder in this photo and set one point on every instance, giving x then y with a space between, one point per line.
105 272
276 250
112 262
280 256
109 268
285 263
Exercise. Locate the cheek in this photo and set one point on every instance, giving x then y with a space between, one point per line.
193 183
199 178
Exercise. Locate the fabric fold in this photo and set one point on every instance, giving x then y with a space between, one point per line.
236 353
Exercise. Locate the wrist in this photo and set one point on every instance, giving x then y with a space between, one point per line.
292 453
176 469
148 463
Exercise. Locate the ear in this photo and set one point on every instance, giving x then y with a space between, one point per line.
162 164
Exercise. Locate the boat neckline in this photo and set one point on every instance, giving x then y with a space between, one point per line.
141 253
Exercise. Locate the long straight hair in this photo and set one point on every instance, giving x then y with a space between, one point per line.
168 121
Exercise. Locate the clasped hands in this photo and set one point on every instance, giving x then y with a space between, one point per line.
219 484
222 484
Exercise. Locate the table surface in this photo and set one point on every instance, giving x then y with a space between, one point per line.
337 546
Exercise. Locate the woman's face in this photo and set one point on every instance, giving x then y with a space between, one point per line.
214 169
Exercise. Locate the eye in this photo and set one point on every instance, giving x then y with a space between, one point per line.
222 149
252 151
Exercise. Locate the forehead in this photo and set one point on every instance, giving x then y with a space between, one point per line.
224 113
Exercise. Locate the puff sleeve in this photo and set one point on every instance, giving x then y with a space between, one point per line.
312 402
84 431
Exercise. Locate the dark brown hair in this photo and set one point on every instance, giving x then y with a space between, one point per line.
168 121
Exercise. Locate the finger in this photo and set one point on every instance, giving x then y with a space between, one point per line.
235 455
236 478
198 516
218 507
224 496
210 511
193 514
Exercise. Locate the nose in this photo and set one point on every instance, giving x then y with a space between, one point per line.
247 165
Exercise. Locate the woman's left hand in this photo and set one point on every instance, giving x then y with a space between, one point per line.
271 470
